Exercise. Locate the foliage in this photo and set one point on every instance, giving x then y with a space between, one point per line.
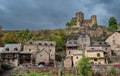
112 71
6 67
112 21
71 23
84 67
112 24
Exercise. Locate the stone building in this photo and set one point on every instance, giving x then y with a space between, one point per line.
95 54
25 58
83 41
42 50
114 40
10 54
76 57
82 22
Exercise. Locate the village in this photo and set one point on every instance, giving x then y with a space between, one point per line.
80 42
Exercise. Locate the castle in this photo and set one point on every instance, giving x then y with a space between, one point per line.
80 21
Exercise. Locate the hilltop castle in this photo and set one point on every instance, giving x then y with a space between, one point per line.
80 21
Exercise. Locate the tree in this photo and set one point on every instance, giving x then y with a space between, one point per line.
112 21
112 24
84 67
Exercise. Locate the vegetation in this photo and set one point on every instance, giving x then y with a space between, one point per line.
40 74
71 23
112 24
84 67
112 71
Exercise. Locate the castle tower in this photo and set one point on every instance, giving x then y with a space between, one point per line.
93 20
80 18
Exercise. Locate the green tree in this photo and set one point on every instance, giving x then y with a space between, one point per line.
112 24
84 67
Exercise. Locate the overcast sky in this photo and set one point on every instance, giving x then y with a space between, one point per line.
53 14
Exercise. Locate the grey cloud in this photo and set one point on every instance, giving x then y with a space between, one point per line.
53 14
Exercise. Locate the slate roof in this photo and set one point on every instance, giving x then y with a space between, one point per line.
11 48
47 43
71 43
94 49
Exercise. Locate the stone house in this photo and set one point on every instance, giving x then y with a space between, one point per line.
39 48
83 40
114 40
71 47
95 54
10 54
76 57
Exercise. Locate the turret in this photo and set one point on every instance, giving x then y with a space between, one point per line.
80 18
93 19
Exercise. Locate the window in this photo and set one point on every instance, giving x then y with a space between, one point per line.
95 59
45 43
113 41
98 54
51 44
15 49
69 52
29 49
50 50
77 57
30 42
40 44
7 49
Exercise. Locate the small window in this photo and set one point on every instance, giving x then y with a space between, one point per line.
30 42
15 49
50 50
95 59
77 57
40 44
51 44
7 49
98 54
29 49
69 52
45 43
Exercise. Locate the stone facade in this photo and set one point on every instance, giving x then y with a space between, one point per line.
10 54
83 41
95 54
114 40
42 50
76 57
82 22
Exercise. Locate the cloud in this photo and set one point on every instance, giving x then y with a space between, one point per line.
53 14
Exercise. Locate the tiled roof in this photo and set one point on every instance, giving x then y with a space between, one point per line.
72 43
12 48
94 49
49 43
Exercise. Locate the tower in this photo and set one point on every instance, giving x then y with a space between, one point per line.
93 20
80 18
